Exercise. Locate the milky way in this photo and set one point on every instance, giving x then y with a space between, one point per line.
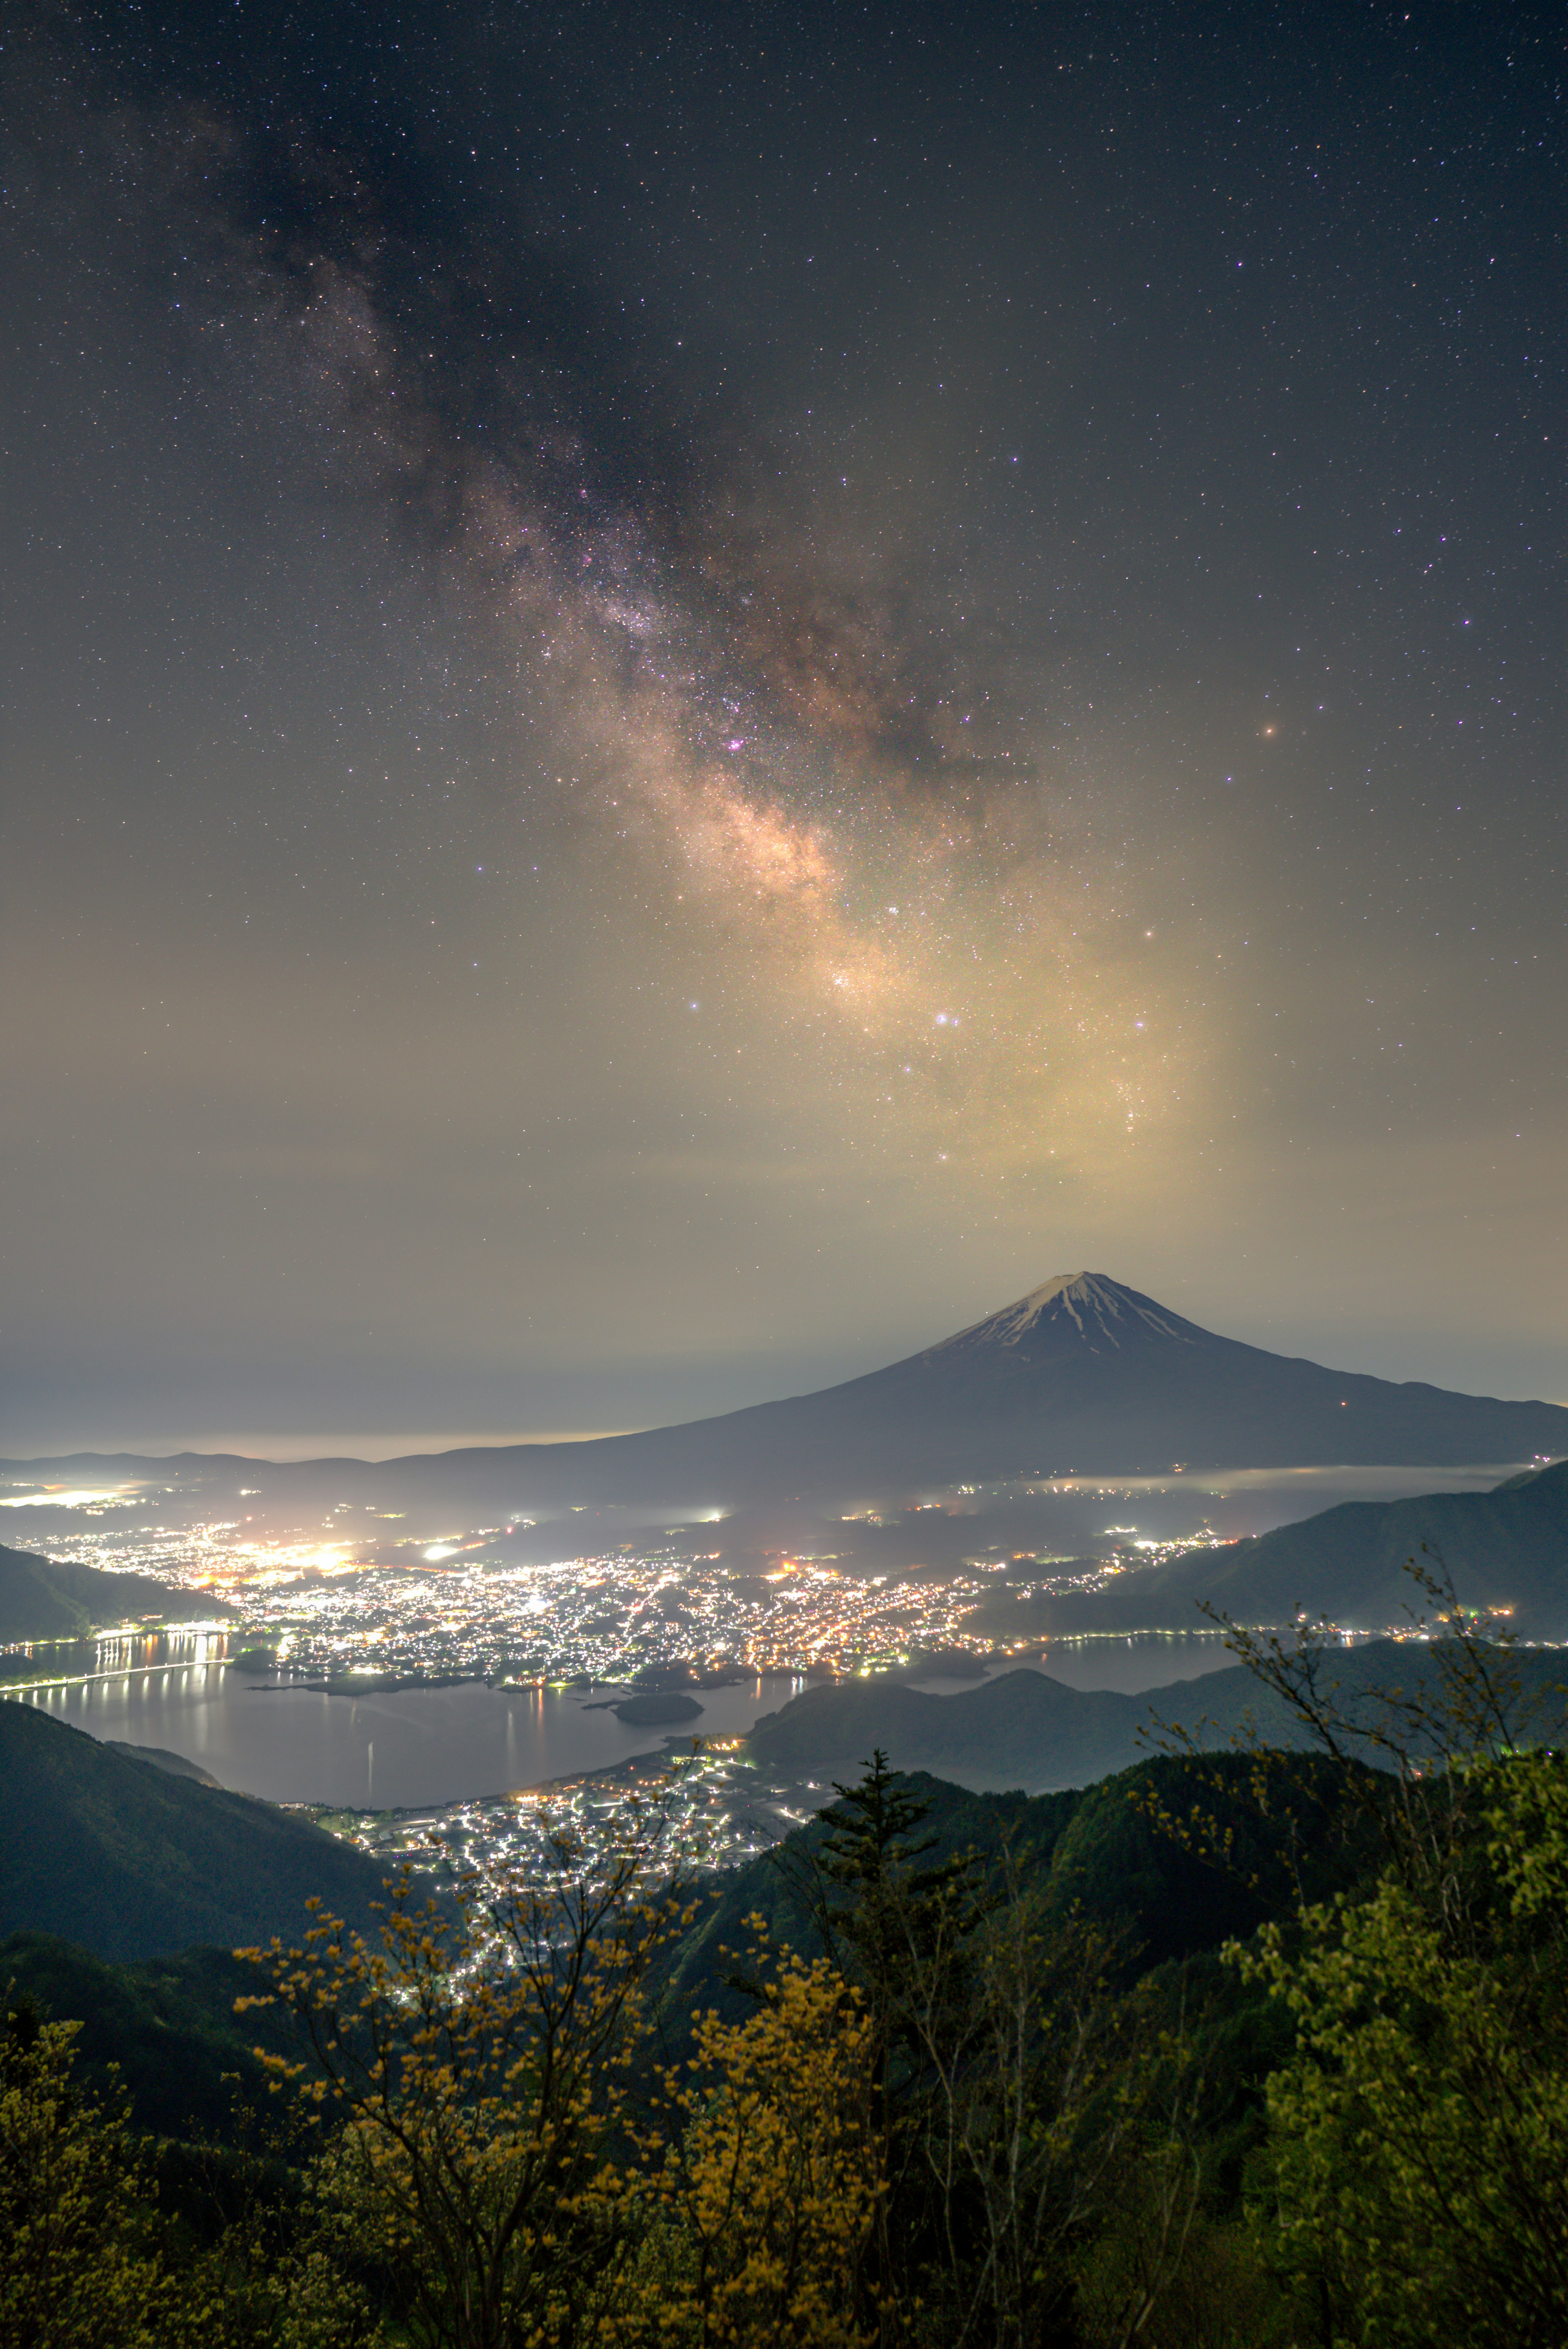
708 691
738 684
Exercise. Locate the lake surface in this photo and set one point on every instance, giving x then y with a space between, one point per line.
411 1748
404 1748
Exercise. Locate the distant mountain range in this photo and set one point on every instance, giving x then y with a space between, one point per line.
1082 1376
1506 1551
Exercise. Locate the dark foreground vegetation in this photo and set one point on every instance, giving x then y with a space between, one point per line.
105 1849
1265 2047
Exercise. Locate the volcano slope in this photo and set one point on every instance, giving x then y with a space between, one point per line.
1082 1376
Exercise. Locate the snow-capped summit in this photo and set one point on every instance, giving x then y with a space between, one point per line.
1081 1377
1095 1308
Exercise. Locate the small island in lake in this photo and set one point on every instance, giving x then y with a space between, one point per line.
651 1707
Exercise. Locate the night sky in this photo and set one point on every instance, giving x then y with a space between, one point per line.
686 695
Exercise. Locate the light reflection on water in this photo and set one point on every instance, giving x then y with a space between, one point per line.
389 1750
112 1654
412 1747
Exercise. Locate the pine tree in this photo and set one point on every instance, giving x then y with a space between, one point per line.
897 1928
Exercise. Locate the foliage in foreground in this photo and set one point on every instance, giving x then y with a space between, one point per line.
75 2269
995 2103
762 2204
1421 2128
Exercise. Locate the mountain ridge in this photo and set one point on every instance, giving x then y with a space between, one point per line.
49 1599
1507 1551
126 1859
1081 1376
1026 1731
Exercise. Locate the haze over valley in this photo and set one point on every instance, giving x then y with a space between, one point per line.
351 1604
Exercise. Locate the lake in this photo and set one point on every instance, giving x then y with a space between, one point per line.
417 1747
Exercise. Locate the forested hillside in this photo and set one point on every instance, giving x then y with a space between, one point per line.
1506 1551
44 1599
1228 2049
1025 1729
130 1860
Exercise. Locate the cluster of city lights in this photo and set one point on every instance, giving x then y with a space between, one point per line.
693 1814
459 1605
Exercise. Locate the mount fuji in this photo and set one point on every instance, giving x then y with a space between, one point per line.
1082 1376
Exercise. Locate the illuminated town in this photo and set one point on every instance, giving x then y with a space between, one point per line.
358 1604
457 1605
698 1809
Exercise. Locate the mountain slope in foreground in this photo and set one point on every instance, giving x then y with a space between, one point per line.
128 1860
1094 1853
169 2025
166 2025
1082 1376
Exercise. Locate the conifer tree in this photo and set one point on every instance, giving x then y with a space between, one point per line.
888 1919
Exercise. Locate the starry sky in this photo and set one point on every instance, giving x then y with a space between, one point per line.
687 695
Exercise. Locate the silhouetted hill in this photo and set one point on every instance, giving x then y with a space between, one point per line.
1027 1730
169 2023
1020 1730
128 1860
42 1599
179 1764
1083 1375
1098 1852
1506 1549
